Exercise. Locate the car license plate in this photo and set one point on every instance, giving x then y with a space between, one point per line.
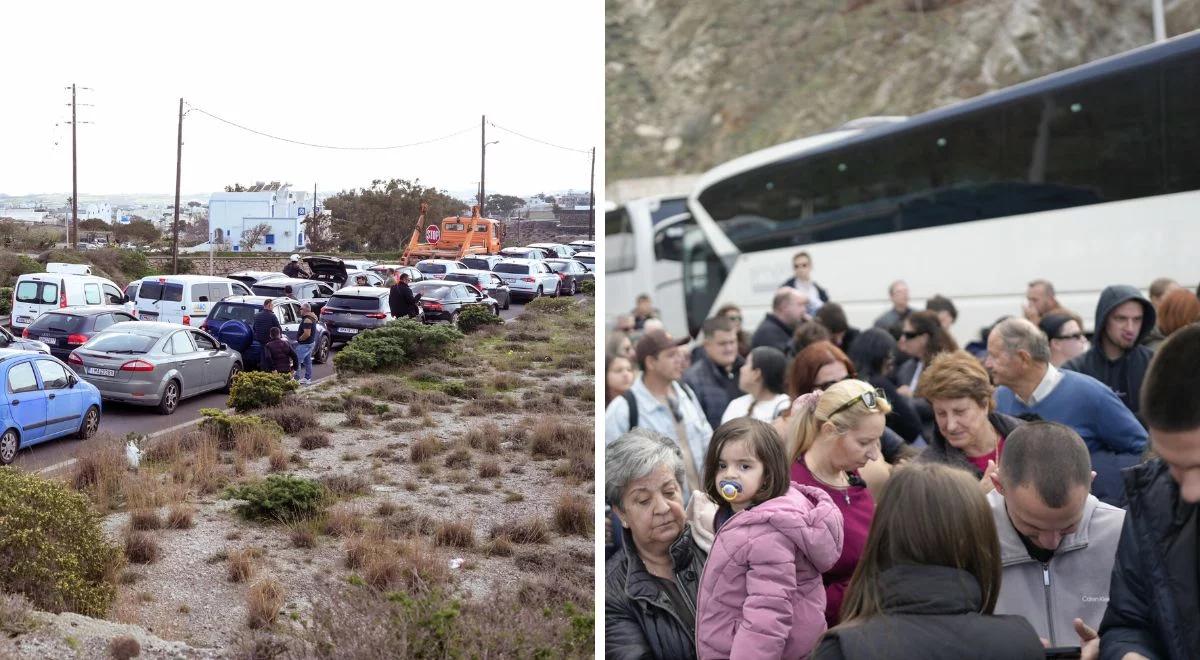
23 319
49 341
101 372
348 331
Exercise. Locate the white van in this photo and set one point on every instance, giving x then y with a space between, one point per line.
62 285
183 299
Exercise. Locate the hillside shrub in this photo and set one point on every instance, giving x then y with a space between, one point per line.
278 497
260 389
6 297
13 265
352 360
549 305
398 342
475 317
134 264
588 287
227 428
52 549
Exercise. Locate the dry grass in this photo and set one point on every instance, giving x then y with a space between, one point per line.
278 460
343 521
485 437
357 548
459 458
489 469
302 535
580 389
455 534
199 469
99 471
141 548
573 515
181 516
264 600
530 530
254 442
553 438
292 418
499 547
578 467
386 508
406 426
145 520
16 615
346 484
314 439
124 647
424 448
241 565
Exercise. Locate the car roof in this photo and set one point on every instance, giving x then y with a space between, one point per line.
558 260
542 245
472 272
254 300
87 310
9 353
364 291
64 276
256 273
585 254
523 262
148 328
187 278
284 281
437 261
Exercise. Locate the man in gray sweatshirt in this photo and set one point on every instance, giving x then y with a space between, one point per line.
1057 542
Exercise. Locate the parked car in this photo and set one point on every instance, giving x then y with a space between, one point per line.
443 300
232 323
557 250
522 253
183 299
252 277
62 285
528 278
66 329
44 400
571 272
481 261
354 309
359 264
339 273
388 272
9 340
149 363
434 268
584 246
306 291
587 259
353 278
486 281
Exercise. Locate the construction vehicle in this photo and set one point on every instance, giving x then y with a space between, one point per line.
457 237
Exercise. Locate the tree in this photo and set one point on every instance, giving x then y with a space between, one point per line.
138 230
254 236
317 234
194 204
237 187
499 206
383 216
94 224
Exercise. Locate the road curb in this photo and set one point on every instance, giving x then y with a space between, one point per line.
51 469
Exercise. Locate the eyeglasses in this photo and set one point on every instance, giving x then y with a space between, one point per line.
911 335
1076 337
870 399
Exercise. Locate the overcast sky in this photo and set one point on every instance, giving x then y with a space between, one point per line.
350 73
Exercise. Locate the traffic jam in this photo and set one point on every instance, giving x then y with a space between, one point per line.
77 340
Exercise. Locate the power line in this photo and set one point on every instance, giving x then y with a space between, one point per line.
533 139
326 146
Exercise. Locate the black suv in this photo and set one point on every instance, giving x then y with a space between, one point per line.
68 328
442 300
356 308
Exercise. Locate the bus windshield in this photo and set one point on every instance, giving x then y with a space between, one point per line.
703 275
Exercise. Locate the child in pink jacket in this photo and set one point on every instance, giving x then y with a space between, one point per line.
761 595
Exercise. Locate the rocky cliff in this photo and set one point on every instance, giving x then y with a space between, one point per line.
690 84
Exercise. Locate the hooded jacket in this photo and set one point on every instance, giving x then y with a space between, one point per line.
640 620
1074 583
1152 607
714 386
761 594
1123 375
931 613
941 451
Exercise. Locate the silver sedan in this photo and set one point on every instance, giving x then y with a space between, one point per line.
155 364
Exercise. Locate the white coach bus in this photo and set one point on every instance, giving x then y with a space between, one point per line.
1087 177
643 241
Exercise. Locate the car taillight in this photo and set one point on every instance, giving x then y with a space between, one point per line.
74 359
187 320
377 316
62 299
137 365
134 312
76 339
326 310
528 279
431 304
562 277
25 333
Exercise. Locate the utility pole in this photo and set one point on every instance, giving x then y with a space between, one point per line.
178 170
73 239
592 199
1160 22
482 158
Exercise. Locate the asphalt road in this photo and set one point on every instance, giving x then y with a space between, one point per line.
120 418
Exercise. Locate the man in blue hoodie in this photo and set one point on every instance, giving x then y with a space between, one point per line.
1117 358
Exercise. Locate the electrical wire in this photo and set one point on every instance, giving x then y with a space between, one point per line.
326 146
533 139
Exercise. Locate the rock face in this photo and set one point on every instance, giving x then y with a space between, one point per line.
692 84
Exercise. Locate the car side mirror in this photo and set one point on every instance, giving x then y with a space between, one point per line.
224 346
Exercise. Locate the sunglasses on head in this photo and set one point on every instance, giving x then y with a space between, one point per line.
911 335
870 399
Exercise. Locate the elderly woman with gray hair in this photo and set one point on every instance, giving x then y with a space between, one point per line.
651 583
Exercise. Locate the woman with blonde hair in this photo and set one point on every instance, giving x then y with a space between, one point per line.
929 578
834 435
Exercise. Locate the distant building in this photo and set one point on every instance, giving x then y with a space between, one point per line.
232 214
98 211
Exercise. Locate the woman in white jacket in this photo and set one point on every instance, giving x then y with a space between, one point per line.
761 378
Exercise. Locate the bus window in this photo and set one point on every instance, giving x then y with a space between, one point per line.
618 241
703 275
668 241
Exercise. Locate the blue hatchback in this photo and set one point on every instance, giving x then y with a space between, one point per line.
43 399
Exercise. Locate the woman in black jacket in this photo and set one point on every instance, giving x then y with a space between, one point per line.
872 353
651 582
929 577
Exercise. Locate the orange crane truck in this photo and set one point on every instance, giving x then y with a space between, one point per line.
457 237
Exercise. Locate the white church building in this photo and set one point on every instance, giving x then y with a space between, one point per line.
231 214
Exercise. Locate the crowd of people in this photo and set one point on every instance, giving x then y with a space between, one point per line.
817 490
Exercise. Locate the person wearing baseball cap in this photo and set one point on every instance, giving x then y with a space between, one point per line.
659 401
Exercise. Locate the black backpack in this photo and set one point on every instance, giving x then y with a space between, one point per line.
632 401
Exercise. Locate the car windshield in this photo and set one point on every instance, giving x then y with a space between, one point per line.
520 269
228 312
39 293
478 264
557 266
272 290
432 269
463 277
56 322
437 291
120 342
354 303
161 291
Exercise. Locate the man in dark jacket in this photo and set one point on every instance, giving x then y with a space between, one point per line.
306 336
714 376
802 282
292 269
787 311
1117 358
893 319
264 320
401 299
1153 597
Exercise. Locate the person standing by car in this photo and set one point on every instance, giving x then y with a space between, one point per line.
401 299
265 321
292 269
279 355
305 342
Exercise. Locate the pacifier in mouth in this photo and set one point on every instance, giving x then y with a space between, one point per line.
729 490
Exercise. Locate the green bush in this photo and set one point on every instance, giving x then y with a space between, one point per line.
353 360
134 264
226 427
552 305
258 389
398 342
588 287
475 317
14 265
52 549
6 296
280 497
